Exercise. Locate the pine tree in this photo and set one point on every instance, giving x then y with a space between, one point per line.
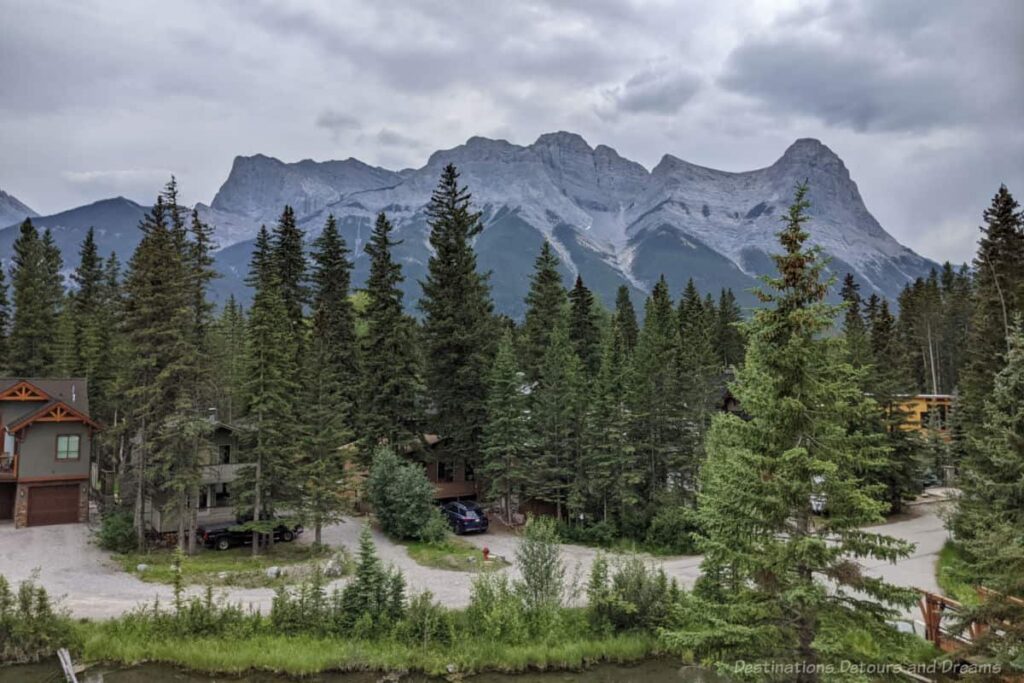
270 477
289 261
584 332
654 420
506 445
989 522
327 418
555 406
898 472
998 292
545 303
609 458
391 385
35 277
854 329
728 335
624 321
458 332
156 328
700 381
227 340
65 356
90 332
5 323
779 586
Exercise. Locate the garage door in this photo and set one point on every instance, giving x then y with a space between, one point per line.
57 504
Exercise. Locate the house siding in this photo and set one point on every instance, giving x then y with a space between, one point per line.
38 451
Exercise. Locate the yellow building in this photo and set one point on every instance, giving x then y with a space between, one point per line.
919 411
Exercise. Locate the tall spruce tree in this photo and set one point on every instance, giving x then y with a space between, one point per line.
854 329
506 442
227 342
328 417
584 330
700 382
555 406
989 522
458 329
624 321
289 262
156 330
655 421
545 303
270 478
780 586
389 409
38 291
998 292
5 323
728 334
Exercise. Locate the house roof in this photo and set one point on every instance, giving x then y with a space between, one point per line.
72 391
52 411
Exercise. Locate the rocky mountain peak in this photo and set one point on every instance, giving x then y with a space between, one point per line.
12 210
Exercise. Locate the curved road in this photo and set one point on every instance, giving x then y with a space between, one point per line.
92 585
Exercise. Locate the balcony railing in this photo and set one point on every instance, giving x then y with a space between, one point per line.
8 465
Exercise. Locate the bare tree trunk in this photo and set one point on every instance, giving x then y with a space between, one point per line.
182 511
140 497
192 521
256 505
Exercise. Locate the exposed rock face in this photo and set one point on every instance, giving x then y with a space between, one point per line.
12 210
610 219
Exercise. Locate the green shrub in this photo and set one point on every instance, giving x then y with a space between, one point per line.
435 529
629 595
31 628
117 532
602 534
426 623
673 530
540 566
402 497
496 610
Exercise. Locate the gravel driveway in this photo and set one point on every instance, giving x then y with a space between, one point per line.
92 585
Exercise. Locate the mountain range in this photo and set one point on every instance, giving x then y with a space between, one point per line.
610 219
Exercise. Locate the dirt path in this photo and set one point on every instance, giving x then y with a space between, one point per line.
92 585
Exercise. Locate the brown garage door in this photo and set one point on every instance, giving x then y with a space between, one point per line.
56 504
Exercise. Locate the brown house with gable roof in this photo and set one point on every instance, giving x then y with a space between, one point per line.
46 435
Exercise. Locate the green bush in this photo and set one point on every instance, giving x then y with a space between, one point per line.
496 610
601 534
31 628
629 595
540 566
673 530
117 532
402 497
426 623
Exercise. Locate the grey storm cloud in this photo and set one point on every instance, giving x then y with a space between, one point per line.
659 90
920 98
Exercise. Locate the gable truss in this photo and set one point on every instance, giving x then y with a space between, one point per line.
55 412
24 391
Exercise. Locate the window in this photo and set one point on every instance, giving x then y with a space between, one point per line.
225 454
68 446
445 471
470 474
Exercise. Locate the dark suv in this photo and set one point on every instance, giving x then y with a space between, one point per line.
465 516
229 535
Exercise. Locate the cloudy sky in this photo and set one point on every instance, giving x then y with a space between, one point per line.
923 99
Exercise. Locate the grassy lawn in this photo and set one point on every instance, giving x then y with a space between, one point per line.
952 577
453 554
306 655
233 567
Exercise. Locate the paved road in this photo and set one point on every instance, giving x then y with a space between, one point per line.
92 585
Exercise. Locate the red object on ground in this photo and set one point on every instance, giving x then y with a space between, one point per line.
487 553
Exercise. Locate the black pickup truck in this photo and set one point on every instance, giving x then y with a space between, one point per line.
230 534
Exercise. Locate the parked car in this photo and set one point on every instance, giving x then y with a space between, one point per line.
230 535
465 516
